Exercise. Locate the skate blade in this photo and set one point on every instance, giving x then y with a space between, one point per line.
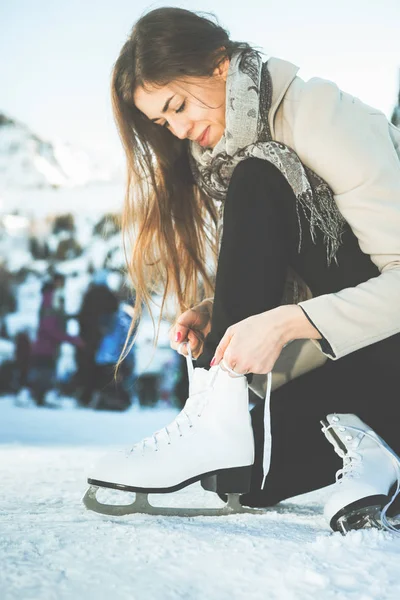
141 505
362 518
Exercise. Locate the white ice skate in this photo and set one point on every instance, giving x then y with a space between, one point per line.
362 493
211 440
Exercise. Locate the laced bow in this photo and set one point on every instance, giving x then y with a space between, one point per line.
194 407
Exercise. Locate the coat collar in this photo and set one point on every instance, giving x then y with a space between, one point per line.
282 74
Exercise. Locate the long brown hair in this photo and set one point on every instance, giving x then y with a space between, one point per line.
169 226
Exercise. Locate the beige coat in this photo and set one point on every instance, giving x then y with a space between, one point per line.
357 151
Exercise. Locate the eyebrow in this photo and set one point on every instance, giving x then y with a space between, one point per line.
164 108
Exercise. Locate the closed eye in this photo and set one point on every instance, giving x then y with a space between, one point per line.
180 109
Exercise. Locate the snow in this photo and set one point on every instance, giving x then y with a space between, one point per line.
52 548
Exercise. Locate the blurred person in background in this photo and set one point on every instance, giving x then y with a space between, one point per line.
50 335
113 390
7 298
22 357
99 306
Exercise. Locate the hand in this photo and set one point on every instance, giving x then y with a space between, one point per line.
254 344
192 326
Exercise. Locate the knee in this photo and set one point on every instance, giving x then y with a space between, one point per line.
255 171
255 184
255 178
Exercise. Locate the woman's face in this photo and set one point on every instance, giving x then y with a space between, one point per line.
193 109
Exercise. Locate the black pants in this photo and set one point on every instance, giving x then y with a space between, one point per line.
260 241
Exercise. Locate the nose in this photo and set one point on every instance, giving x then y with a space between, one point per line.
181 128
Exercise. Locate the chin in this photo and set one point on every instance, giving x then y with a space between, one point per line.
216 140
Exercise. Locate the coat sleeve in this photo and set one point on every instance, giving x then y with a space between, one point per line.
349 145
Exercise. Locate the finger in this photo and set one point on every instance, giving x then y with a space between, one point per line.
177 335
223 345
198 352
189 319
195 340
181 333
186 322
232 361
172 338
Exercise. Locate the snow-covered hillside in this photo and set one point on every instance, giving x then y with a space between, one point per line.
27 161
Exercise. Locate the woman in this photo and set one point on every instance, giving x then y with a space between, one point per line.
295 187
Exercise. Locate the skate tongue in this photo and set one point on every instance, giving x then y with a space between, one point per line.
199 381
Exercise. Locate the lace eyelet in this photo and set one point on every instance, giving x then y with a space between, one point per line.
342 429
335 419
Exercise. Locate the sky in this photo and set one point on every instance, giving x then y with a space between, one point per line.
57 56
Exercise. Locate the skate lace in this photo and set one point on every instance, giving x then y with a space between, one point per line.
352 467
348 468
194 402
193 408
266 422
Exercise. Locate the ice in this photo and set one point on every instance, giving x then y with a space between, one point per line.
51 548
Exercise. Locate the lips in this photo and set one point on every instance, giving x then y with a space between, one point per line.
203 138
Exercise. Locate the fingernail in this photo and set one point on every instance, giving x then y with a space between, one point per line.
178 336
212 362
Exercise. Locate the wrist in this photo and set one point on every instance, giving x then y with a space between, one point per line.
295 324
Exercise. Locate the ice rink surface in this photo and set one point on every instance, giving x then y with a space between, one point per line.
51 548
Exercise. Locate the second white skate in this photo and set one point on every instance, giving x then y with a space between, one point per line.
370 471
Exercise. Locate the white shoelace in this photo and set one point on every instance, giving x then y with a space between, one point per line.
184 420
352 463
349 468
267 413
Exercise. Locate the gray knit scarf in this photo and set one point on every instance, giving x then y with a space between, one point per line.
247 134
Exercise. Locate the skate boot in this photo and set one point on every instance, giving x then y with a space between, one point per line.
210 440
370 469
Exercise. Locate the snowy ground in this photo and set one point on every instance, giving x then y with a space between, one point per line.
52 549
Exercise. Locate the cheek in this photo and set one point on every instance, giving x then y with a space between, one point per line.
210 115
198 114
221 115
